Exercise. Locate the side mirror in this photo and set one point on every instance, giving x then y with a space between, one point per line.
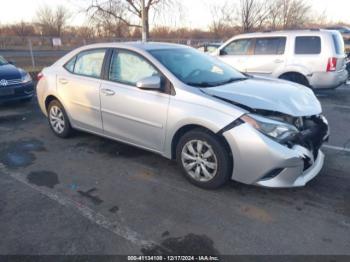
11 62
222 52
149 83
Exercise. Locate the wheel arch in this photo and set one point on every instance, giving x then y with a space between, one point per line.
292 72
189 127
48 100
296 73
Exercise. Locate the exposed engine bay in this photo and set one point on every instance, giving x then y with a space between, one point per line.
314 130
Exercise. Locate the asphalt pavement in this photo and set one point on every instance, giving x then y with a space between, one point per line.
90 195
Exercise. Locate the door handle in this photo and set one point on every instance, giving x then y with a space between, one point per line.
63 81
279 61
107 92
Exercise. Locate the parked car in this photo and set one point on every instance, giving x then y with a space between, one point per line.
348 64
345 31
209 47
182 104
15 83
314 58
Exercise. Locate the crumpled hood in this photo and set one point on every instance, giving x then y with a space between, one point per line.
270 94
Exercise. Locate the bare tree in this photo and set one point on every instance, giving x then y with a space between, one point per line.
127 12
288 14
52 21
223 18
61 16
253 14
23 29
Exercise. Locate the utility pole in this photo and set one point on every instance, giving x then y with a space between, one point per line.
144 34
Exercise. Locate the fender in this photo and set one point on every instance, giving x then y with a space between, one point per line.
293 68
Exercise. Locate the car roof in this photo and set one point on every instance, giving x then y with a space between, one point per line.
286 33
338 27
136 45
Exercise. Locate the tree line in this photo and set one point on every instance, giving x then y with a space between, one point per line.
122 19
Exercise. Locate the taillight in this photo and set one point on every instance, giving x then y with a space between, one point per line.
332 64
39 76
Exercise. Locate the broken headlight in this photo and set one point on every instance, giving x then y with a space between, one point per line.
272 128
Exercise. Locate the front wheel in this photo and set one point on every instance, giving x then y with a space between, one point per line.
204 159
58 120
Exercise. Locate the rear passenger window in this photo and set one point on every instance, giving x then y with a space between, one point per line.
307 45
89 63
270 46
238 47
70 65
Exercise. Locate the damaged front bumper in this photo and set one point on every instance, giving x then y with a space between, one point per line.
262 161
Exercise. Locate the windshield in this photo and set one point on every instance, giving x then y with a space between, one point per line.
195 68
3 61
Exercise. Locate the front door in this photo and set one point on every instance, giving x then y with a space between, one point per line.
130 114
236 53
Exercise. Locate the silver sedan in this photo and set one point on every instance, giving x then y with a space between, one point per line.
218 123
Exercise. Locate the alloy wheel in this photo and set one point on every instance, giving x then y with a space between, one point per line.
57 119
199 160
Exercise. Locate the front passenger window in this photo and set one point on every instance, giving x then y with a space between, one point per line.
238 47
127 67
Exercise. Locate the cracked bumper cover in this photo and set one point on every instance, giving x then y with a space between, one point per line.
255 156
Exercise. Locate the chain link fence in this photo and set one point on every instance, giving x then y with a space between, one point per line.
34 53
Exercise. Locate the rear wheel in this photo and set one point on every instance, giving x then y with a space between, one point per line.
296 78
204 159
58 120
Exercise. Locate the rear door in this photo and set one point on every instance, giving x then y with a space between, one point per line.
268 56
79 89
236 53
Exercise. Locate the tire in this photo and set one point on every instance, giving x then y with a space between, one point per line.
57 114
212 154
296 78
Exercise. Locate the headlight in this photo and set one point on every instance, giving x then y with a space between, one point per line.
272 128
26 78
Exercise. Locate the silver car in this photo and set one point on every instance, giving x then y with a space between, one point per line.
218 123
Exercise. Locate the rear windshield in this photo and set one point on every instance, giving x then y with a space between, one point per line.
307 45
338 44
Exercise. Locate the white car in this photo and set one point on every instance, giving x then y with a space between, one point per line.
314 58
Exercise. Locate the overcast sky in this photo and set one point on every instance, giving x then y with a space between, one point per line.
196 12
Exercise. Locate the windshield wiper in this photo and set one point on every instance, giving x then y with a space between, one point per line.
201 84
212 84
232 80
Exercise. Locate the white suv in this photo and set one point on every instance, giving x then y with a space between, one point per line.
314 58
